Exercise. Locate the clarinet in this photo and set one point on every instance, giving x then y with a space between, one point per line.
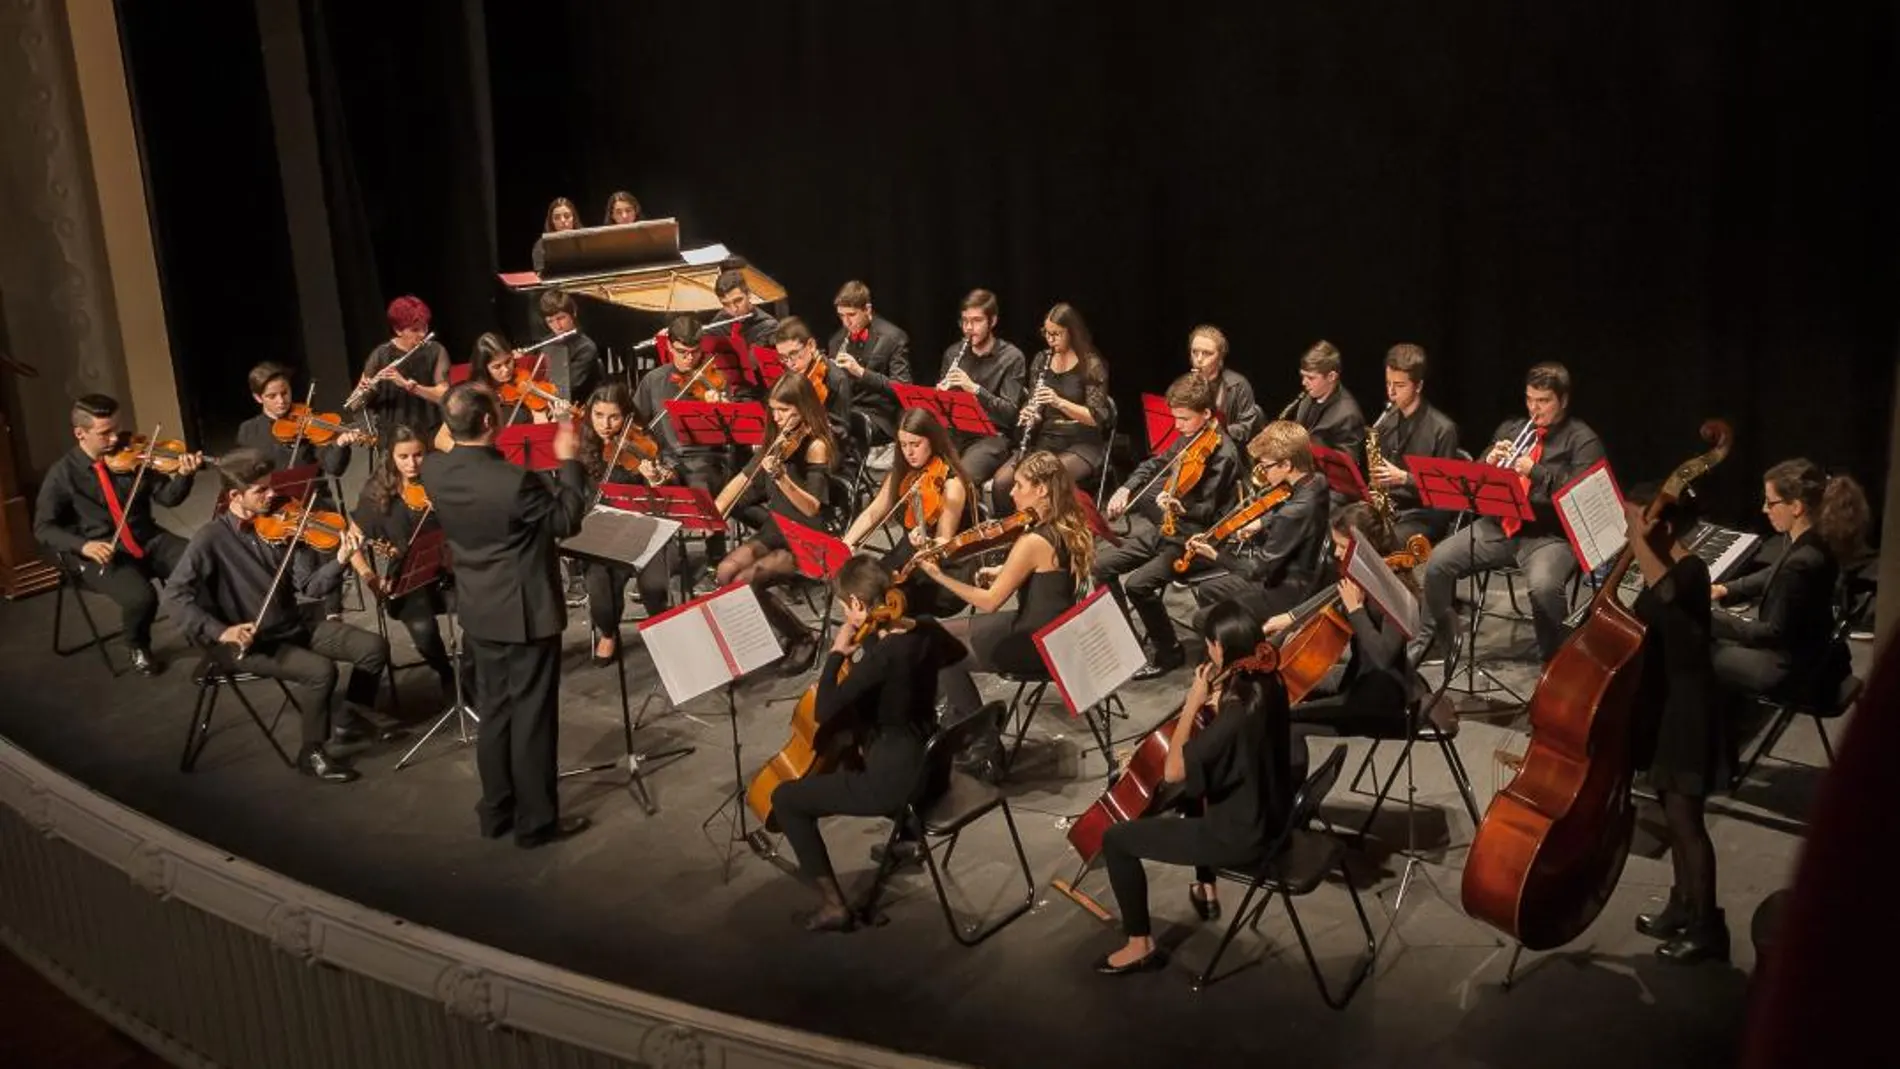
955 362
1035 420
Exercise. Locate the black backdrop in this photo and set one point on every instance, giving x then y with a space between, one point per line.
1689 204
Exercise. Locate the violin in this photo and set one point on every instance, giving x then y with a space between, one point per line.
815 374
924 488
704 384
416 497
317 428
968 540
1229 525
1189 466
816 748
162 456
538 395
785 447
1554 841
324 531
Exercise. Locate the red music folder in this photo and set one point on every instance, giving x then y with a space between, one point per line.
1094 518
1469 486
422 563
1341 471
955 409
708 423
529 445
1159 420
819 555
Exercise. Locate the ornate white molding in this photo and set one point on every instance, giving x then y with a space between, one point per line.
473 982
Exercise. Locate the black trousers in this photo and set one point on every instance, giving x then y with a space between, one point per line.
1143 566
517 694
1262 601
417 610
1434 524
1750 670
1369 708
128 582
893 774
307 665
607 589
983 457
1187 841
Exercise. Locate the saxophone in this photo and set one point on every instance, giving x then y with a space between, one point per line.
1376 494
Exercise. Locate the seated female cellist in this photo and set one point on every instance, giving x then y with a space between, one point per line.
788 476
393 509
1237 779
925 491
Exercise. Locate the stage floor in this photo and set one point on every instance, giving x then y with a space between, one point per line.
640 900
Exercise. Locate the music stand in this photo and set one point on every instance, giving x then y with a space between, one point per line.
1342 472
529 445
1158 418
819 556
422 564
1093 517
712 424
296 484
958 411
633 759
689 506
770 365
1465 487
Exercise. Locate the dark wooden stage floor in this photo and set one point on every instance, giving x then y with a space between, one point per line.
639 900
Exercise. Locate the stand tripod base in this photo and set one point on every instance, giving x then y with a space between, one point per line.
462 713
636 776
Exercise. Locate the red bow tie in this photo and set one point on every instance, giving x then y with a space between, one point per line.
862 335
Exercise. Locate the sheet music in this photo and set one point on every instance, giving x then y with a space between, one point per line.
711 254
630 537
1592 511
686 652
748 635
1383 587
1092 652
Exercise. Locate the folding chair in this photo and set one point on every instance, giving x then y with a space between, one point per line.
211 677
1298 862
69 578
1415 730
964 800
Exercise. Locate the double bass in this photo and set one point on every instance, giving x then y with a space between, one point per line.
1553 843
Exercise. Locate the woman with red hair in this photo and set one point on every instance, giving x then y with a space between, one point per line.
401 386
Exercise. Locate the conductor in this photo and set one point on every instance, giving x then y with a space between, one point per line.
501 522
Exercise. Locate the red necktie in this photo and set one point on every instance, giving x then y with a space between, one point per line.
118 514
1512 524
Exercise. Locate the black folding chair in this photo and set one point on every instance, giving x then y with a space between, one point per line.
1297 863
69 580
211 677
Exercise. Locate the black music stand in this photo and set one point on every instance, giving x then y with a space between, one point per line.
958 411
689 506
529 445
1093 517
717 423
1342 472
421 565
1158 420
819 556
1465 487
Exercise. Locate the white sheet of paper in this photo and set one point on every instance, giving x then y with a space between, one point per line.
1093 653
1594 511
748 634
686 653
1383 587
629 536
711 254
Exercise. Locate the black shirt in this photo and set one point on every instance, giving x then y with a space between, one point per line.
72 510
1427 432
892 684
1796 614
1000 376
1209 497
255 433
1241 765
392 521
227 570
656 388
389 405
1293 542
1336 423
1570 446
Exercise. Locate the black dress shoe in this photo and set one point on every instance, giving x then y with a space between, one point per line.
1148 962
1207 908
799 656
315 762
564 828
1667 922
826 921
1160 665
144 663
1703 940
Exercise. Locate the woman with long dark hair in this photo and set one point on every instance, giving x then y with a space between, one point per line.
393 509
608 411
925 466
1237 778
562 215
1067 403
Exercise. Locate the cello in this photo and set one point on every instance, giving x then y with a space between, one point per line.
1553 843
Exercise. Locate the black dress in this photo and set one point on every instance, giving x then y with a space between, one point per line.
1678 729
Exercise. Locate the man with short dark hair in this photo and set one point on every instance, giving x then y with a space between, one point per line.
754 324
502 523
799 352
1326 408
874 352
576 359
1410 427
103 530
228 597
993 371
270 388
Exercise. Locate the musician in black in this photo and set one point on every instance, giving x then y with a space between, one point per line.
607 414
704 466
1233 395
562 215
1237 778
1141 567
1677 730
872 350
991 370
1552 448
573 363
270 388
503 523
1410 427
622 208
1326 408
405 377
755 325
1067 411
493 363
79 511
926 470
228 598
888 702
799 353
1787 649
392 511
1284 557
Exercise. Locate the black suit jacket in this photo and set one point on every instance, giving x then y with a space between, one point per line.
886 359
1796 615
502 523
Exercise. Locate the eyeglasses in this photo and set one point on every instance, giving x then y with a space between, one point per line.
1771 502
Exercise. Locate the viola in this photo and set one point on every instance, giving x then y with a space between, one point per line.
538 395
324 531
1189 467
317 428
1231 524
815 374
162 456
785 446
1554 841
968 540
924 489
815 748
416 497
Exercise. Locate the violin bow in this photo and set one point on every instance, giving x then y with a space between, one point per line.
125 513
290 551
303 424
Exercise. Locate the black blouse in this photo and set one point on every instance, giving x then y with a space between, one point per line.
1240 765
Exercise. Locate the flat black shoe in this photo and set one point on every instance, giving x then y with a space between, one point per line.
1208 909
1148 962
564 828
144 663
315 762
1666 923
903 855
1706 940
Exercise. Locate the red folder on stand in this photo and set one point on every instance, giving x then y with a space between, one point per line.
955 409
529 445
819 555
690 506
1341 471
1159 419
1469 486
711 424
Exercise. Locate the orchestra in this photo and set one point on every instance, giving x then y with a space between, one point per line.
991 541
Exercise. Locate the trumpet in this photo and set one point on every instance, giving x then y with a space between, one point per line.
1034 415
1519 445
1291 405
955 362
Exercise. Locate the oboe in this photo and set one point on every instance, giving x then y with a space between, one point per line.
1034 417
